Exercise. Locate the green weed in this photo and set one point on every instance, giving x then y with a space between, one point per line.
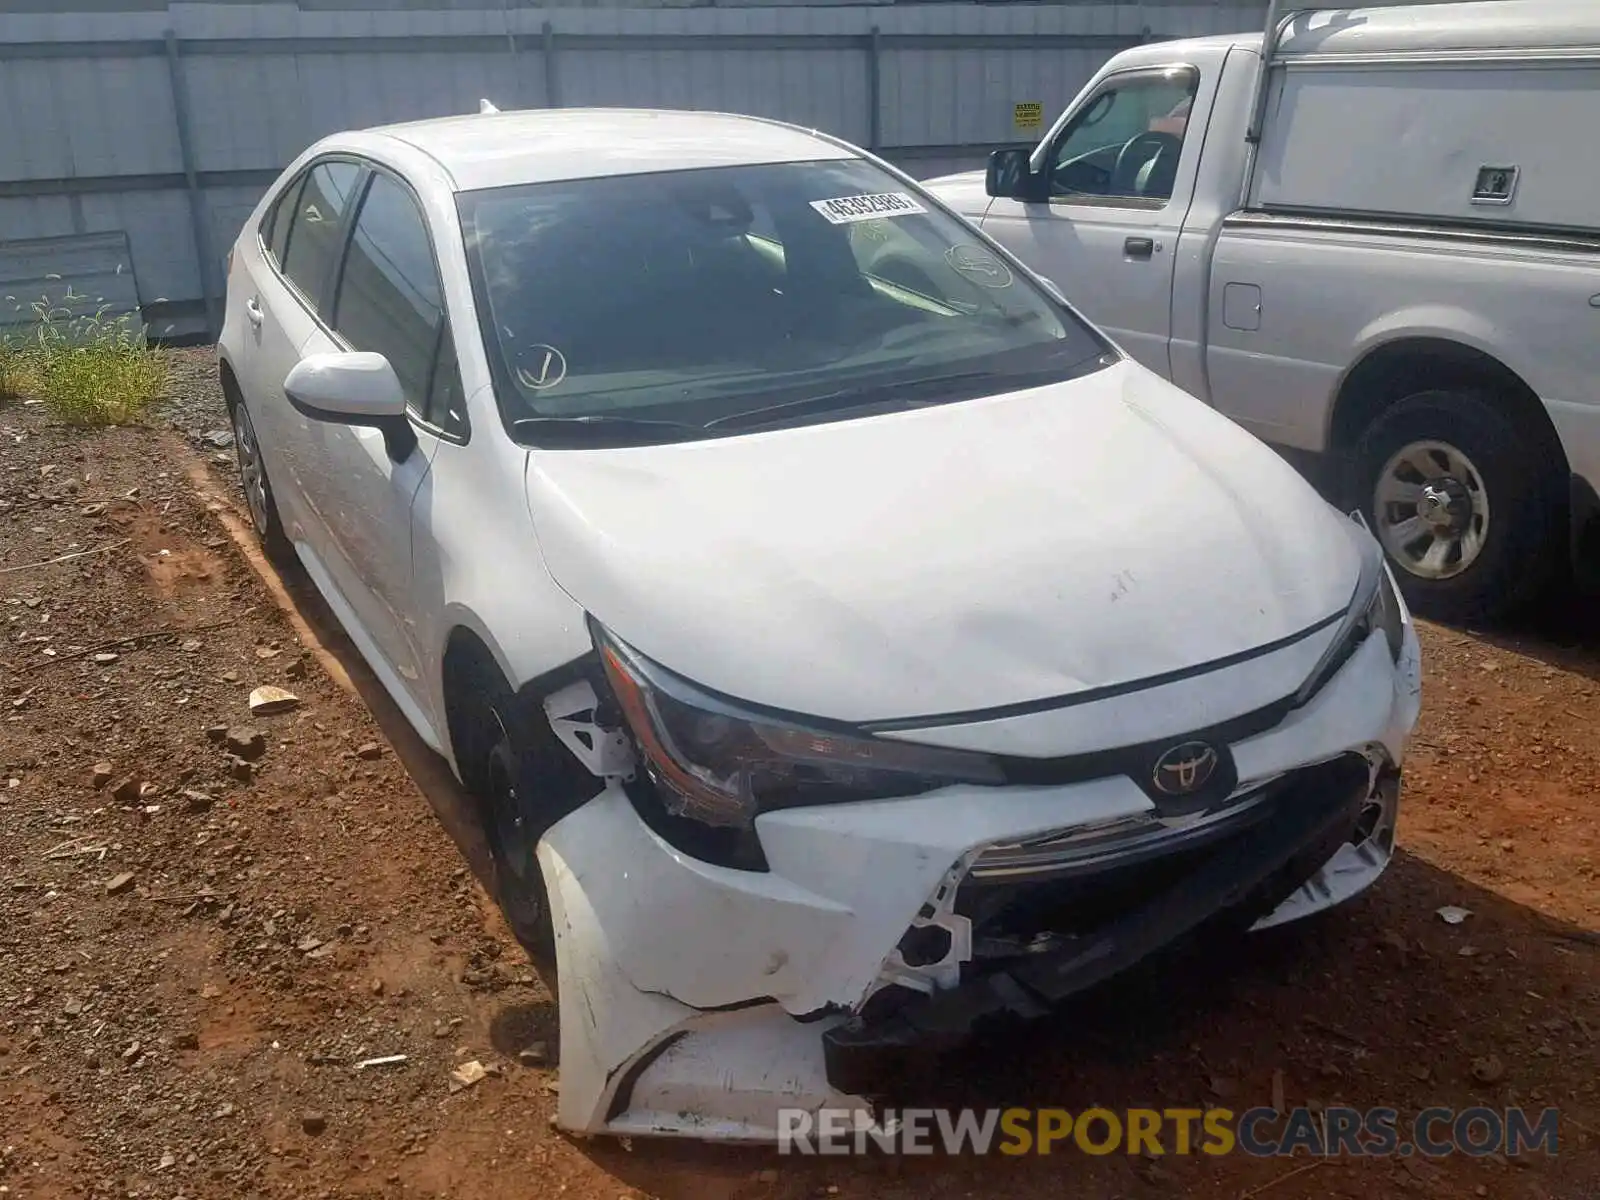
16 379
87 370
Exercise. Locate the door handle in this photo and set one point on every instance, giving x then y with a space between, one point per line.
1138 247
253 313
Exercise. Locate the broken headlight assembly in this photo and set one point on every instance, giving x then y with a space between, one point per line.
717 763
1375 606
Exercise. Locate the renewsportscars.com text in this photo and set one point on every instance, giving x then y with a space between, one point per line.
1259 1132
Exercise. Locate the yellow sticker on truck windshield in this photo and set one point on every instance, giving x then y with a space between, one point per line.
847 209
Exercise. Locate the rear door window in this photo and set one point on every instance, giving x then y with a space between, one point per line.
275 229
311 247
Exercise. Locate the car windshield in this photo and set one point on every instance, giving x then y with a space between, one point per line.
692 303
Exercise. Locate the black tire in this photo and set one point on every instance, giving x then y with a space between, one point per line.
490 746
1520 496
259 500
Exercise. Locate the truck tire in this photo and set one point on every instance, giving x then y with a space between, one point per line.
1464 501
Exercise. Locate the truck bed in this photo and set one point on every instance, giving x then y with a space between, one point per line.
1332 290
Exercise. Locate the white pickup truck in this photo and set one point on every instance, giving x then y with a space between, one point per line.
1378 241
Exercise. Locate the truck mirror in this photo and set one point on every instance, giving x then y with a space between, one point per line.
1010 175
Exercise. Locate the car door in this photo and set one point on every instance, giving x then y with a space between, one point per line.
1118 174
389 300
299 252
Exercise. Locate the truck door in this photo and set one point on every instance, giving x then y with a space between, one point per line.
1121 169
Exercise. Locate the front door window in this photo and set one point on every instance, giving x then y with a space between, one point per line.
391 302
1123 148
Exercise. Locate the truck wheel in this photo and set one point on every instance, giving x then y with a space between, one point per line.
1464 503
489 746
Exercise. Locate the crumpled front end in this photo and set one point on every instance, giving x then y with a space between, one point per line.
701 999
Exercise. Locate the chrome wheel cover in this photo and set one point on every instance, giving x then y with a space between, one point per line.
1431 507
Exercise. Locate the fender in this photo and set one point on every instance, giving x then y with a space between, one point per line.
539 626
1438 322
522 662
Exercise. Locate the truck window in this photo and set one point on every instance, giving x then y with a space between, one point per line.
1123 146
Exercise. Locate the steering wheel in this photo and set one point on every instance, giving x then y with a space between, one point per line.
1080 175
1141 149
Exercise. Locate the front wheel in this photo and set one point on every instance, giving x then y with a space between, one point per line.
1464 503
489 750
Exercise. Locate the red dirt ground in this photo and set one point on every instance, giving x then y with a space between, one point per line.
192 1031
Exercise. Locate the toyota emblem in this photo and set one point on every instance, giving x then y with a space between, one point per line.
1185 769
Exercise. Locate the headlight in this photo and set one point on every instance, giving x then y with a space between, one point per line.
722 765
1375 605
1387 613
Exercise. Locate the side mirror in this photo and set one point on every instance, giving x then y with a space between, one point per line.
353 389
1011 177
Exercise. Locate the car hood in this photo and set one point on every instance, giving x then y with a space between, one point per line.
948 559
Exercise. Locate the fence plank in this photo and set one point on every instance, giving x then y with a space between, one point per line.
930 86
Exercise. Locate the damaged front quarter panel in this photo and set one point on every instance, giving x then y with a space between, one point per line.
667 966
574 716
695 997
649 946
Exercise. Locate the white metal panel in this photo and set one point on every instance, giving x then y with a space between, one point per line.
228 135
1205 20
80 26
355 91
85 116
952 97
35 217
234 20
227 209
121 117
77 276
157 225
1442 126
251 110
823 89
1485 25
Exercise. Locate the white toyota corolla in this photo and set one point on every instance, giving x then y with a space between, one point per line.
846 642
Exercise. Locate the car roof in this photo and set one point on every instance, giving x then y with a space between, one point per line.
487 150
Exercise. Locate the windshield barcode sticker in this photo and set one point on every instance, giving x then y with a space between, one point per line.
847 209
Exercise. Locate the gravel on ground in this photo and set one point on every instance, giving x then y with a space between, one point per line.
210 920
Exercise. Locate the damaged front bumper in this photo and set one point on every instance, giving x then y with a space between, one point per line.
701 1000
1285 840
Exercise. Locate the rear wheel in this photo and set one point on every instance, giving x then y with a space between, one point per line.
1464 502
257 488
490 746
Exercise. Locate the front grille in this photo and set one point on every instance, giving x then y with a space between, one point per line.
1085 849
1030 897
